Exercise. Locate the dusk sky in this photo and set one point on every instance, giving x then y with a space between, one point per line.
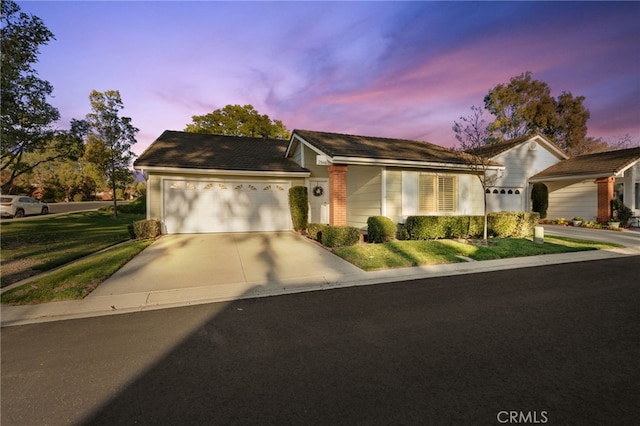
394 69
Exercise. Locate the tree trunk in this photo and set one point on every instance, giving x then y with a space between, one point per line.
115 200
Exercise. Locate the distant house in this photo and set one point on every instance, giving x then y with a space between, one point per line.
199 183
585 185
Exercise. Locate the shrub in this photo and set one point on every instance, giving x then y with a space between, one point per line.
621 212
339 236
512 224
381 229
540 199
316 230
77 197
434 227
299 207
145 229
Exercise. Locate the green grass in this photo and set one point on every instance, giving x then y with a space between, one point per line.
400 254
48 242
76 280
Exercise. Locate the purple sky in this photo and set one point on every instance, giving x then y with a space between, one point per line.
395 69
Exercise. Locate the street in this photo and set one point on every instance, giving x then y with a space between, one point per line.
559 344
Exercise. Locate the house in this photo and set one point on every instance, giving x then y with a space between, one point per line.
212 183
200 183
585 185
522 158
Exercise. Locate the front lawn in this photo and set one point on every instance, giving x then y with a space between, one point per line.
398 254
76 280
33 246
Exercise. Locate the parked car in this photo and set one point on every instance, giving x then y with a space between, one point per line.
21 205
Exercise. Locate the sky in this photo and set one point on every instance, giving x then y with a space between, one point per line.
391 69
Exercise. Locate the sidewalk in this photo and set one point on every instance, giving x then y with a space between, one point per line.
149 300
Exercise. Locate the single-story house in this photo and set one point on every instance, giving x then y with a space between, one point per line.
585 185
200 183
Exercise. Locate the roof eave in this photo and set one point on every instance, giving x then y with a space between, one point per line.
406 163
256 173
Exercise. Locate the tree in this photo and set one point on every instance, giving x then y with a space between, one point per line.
236 120
472 134
26 114
525 106
110 141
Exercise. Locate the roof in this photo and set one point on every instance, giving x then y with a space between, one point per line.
494 149
378 148
601 164
205 151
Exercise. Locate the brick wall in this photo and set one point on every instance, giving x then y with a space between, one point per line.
337 194
605 195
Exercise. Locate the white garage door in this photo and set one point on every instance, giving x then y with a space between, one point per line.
194 206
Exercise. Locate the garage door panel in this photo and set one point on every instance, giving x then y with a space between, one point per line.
225 206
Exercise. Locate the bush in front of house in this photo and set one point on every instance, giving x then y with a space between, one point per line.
512 224
381 229
316 230
501 224
137 206
340 236
540 199
145 229
436 227
621 212
299 207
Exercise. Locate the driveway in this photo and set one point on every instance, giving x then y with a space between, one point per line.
228 265
629 238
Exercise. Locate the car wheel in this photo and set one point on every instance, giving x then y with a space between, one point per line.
19 213
45 210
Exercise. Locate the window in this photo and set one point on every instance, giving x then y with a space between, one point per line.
437 193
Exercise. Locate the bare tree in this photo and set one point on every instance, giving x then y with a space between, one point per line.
472 134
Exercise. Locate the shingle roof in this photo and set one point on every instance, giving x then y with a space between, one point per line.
342 145
204 151
603 164
491 150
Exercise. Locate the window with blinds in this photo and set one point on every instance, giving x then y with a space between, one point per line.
437 193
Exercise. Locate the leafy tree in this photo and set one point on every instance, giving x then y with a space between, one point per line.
110 141
26 115
236 120
525 105
472 134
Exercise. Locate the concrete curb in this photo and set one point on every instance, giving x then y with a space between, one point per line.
137 302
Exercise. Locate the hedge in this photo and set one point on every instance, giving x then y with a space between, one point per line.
500 224
381 229
145 229
316 230
299 207
339 236
435 227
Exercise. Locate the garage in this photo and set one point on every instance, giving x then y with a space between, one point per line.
210 206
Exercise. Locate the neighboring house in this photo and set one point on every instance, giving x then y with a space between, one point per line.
585 185
522 158
211 183
201 183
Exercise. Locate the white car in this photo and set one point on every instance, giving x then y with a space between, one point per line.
21 205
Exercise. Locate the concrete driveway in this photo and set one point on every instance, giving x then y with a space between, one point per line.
228 265
629 238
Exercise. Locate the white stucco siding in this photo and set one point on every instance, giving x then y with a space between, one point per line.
154 197
470 195
631 180
573 198
364 193
394 195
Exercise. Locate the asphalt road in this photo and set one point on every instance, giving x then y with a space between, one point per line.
557 344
